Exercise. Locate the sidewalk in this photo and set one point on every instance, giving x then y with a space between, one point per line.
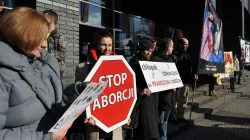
231 122
204 105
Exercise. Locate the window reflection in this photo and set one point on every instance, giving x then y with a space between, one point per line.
91 14
94 15
17 3
10 3
98 2
129 28
125 45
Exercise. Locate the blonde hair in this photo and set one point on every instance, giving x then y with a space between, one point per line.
24 28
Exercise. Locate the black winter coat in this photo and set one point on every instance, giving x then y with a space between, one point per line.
163 95
148 108
184 66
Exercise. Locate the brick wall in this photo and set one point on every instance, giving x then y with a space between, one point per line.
68 25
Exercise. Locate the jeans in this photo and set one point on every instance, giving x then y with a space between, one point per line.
164 124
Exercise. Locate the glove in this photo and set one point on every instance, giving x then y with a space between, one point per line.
80 86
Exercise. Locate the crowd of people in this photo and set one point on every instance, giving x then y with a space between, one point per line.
32 60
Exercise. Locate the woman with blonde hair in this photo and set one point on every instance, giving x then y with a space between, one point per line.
30 87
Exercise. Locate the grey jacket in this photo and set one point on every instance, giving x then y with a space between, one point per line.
30 95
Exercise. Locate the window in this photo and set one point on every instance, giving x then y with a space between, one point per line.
9 4
95 16
129 29
160 31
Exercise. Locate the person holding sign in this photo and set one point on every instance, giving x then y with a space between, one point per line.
148 119
101 45
167 99
30 86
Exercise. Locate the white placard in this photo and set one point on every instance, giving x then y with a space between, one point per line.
160 76
89 94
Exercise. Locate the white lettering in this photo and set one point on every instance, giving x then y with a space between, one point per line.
124 77
109 80
110 98
131 92
123 95
104 101
115 80
113 98
119 96
96 104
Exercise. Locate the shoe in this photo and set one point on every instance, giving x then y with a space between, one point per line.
239 83
212 93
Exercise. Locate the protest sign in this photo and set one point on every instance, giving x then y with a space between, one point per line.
211 52
160 76
89 94
118 99
229 65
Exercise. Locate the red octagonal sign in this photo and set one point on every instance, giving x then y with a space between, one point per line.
113 107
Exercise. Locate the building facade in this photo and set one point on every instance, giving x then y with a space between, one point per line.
79 19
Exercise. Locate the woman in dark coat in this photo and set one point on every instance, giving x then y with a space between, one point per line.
101 45
167 99
148 108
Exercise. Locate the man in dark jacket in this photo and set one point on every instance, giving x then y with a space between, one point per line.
57 43
167 99
148 108
184 66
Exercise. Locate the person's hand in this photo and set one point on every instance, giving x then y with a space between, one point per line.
196 77
146 91
61 133
174 89
90 121
129 121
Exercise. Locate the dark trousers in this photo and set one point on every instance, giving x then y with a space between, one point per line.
232 83
167 103
235 75
241 72
212 82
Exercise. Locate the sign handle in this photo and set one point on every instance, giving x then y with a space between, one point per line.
191 110
117 134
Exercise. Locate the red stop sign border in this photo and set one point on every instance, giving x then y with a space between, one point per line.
89 77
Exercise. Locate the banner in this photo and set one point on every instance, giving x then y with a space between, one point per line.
211 52
229 65
89 94
245 49
160 76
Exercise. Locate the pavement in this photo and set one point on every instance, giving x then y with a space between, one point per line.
230 121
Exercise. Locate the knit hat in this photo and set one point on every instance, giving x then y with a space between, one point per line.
145 44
